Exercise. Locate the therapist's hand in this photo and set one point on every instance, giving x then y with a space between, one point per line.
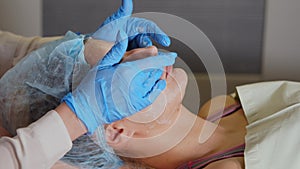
112 90
140 31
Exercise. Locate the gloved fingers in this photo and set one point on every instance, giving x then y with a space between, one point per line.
137 26
116 53
113 24
144 41
160 38
156 62
140 41
144 81
156 90
125 10
142 101
151 78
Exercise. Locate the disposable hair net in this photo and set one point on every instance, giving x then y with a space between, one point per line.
37 84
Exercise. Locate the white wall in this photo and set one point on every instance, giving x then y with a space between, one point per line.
22 17
282 40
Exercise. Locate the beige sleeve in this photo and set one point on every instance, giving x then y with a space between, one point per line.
38 146
273 113
261 100
14 47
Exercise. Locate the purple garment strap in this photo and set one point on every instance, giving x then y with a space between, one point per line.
237 151
226 112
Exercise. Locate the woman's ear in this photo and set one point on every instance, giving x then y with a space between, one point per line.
118 134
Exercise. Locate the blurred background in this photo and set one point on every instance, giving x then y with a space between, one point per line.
257 40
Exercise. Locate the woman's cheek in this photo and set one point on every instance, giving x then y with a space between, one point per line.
181 79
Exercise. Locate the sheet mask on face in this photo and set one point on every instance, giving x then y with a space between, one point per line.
151 113
154 113
36 85
135 137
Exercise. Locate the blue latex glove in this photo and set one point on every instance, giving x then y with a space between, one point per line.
112 91
140 31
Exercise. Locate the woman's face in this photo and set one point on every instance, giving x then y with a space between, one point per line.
127 135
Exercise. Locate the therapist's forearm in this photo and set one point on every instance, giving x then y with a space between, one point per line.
74 126
95 50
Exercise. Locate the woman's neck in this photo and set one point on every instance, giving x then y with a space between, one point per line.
190 147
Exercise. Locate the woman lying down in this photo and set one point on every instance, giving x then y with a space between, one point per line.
255 129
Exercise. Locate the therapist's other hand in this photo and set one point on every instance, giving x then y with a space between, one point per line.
112 90
140 31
